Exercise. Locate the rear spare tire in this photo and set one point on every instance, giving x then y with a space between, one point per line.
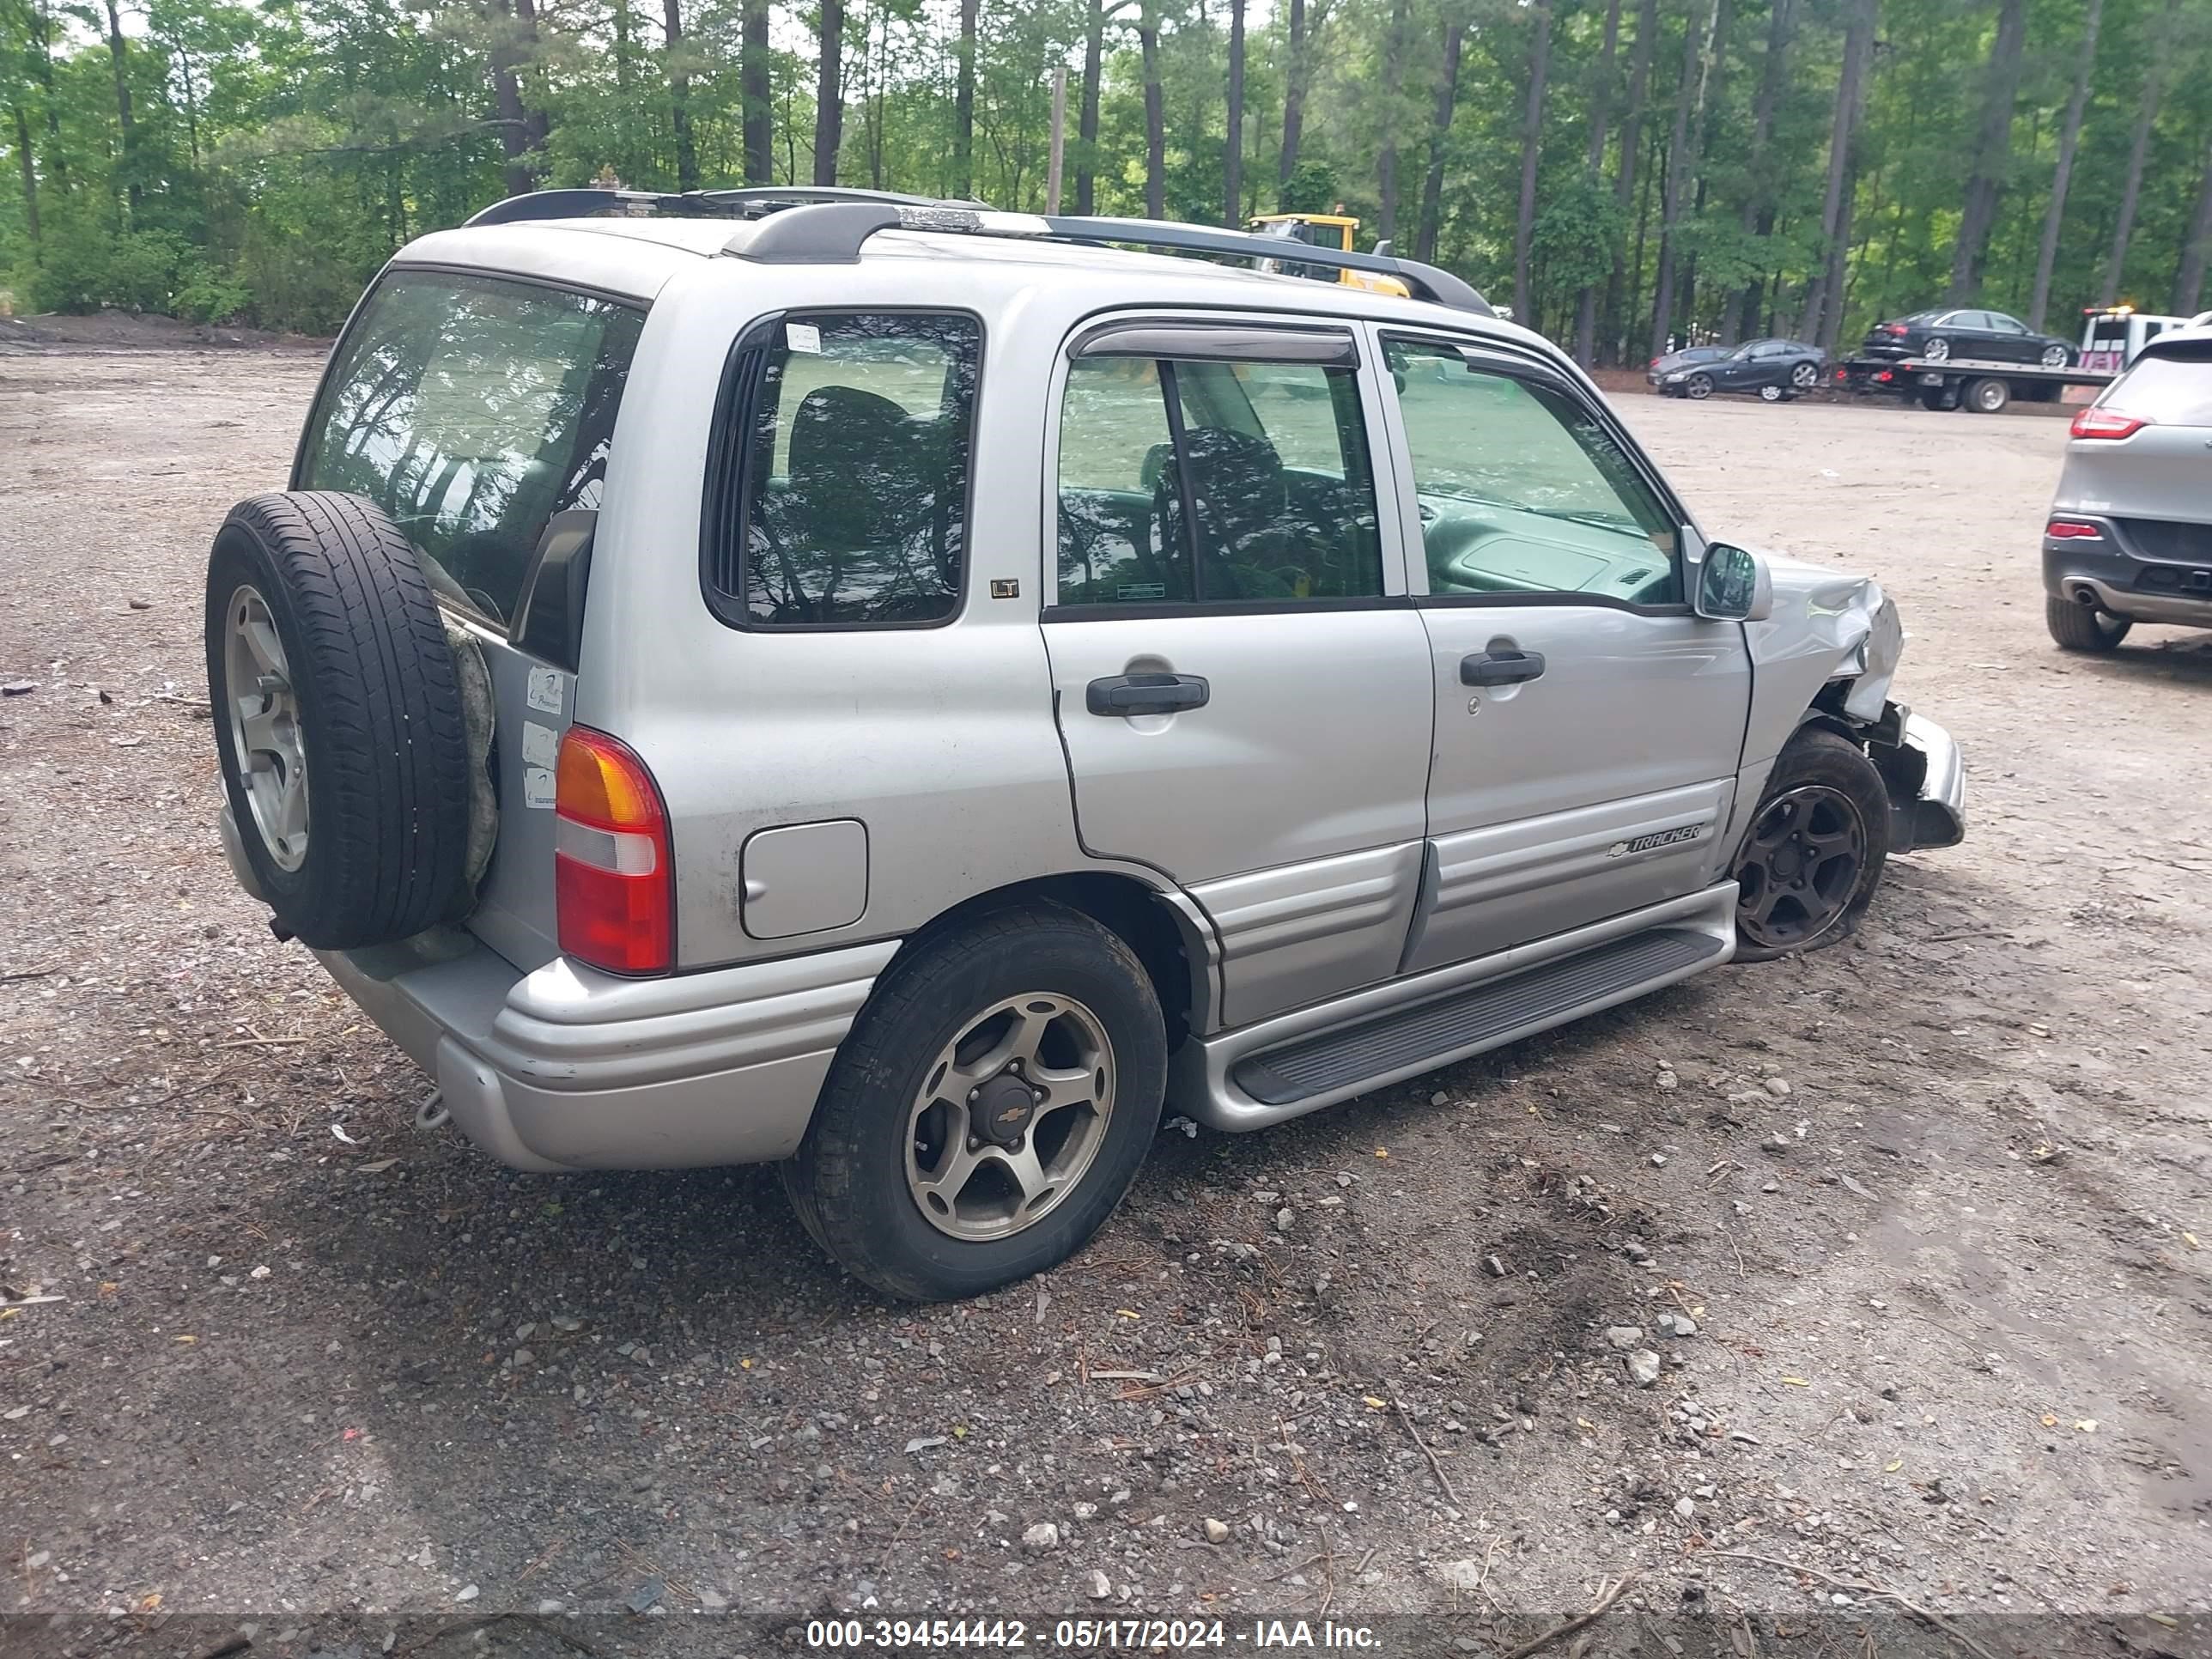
337 718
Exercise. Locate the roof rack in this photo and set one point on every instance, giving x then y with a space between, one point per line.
752 203
820 224
832 233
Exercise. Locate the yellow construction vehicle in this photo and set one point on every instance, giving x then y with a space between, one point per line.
1329 230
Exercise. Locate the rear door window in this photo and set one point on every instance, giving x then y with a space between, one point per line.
2172 387
1214 481
472 410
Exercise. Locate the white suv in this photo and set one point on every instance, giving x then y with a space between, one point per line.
914 692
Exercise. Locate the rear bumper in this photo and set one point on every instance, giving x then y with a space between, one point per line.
2147 590
566 1068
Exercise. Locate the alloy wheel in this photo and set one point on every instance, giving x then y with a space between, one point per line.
1800 866
1938 351
1804 375
1699 386
1010 1116
266 737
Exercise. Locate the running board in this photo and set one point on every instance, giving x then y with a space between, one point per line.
1467 1021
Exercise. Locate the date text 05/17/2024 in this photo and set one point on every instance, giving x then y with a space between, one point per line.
1088 1635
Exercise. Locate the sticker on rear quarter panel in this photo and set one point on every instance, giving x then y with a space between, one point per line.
537 786
545 689
540 747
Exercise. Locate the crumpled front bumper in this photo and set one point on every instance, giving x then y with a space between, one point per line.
1927 779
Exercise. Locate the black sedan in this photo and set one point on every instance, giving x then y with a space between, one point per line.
1775 369
1688 357
1937 336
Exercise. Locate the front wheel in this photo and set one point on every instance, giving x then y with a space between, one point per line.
1699 386
1812 857
988 1109
2081 628
1770 394
2054 356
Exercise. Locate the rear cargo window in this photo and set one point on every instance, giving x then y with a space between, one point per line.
2172 387
848 505
472 410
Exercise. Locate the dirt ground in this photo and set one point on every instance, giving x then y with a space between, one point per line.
271 1353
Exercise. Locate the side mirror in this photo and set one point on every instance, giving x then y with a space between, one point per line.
1733 584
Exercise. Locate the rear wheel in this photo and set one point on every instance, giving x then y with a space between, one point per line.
2083 628
989 1108
1805 376
1814 856
1988 395
1938 351
1939 396
1699 386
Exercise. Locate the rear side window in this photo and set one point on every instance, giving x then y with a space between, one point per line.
1214 483
848 507
472 410
2172 387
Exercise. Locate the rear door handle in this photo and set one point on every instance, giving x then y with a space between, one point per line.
1500 667
1145 694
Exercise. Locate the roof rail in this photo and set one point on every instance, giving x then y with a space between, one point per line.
832 233
751 203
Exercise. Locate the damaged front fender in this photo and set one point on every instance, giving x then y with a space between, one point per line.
1830 649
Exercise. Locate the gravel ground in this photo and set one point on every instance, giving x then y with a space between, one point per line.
1910 1228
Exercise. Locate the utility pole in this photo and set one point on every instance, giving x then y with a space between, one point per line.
1058 138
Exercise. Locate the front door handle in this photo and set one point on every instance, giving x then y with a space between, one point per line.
1145 694
1500 667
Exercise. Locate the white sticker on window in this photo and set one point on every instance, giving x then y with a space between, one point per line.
540 747
803 336
545 689
537 787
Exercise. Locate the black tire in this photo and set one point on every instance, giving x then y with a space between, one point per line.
2056 357
1698 387
1773 394
1939 396
1837 787
1987 395
849 1182
2082 627
1805 376
377 707
1936 351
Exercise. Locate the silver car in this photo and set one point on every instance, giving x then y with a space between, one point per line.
914 693
2130 534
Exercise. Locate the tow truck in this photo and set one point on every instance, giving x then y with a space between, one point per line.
2110 340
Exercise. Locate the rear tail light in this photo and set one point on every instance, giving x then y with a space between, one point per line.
2095 423
1884 375
2072 530
1898 329
613 877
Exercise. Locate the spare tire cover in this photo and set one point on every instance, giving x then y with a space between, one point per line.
338 720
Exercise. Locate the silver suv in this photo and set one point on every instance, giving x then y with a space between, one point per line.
2130 535
913 693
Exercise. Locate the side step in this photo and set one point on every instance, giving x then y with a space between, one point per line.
1467 1020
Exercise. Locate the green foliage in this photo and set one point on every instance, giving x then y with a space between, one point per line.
1311 188
279 151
